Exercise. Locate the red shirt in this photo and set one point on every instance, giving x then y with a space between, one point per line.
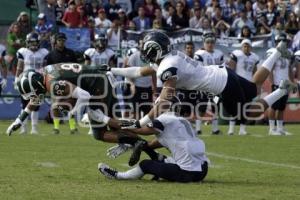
72 18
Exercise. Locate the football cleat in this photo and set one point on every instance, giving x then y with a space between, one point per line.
136 152
243 133
199 132
274 132
107 171
74 131
34 131
217 132
230 133
55 131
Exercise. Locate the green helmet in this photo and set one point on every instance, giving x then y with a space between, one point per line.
31 86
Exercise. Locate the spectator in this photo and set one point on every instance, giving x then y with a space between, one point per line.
292 25
245 33
141 21
71 18
24 23
15 40
205 24
60 8
111 9
239 5
222 29
240 22
44 29
112 34
211 7
229 11
272 14
180 19
137 4
126 5
158 16
101 21
48 8
262 25
92 8
259 9
83 16
171 12
123 18
217 16
249 10
149 7
91 27
156 24
296 7
3 68
132 26
194 22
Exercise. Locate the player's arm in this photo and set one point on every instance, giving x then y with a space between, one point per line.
199 58
87 59
20 64
133 72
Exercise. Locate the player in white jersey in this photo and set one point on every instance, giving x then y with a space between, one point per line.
297 59
176 70
187 163
31 57
209 56
244 62
100 54
282 71
3 68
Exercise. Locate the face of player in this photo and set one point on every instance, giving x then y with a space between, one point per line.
209 45
189 50
246 48
33 46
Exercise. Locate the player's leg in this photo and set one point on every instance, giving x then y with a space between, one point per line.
34 120
23 129
200 110
72 124
134 173
280 106
272 116
263 72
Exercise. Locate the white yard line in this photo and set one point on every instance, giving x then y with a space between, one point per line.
252 161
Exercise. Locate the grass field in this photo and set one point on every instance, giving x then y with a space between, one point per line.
64 166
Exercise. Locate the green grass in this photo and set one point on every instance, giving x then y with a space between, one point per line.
64 166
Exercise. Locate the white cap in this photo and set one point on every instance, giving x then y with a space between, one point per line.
246 41
41 16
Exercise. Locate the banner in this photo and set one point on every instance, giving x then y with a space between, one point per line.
78 39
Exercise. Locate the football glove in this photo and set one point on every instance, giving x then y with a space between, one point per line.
130 124
3 83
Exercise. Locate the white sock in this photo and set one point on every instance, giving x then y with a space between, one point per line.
279 125
270 61
215 124
198 124
231 126
242 128
134 173
34 118
272 124
274 96
24 125
129 72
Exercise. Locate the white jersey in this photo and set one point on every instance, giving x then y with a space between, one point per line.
32 59
209 58
297 56
135 60
281 68
245 64
178 135
2 54
192 75
98 58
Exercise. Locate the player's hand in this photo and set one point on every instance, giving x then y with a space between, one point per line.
117 150
14 126
3 83
130 124
105 67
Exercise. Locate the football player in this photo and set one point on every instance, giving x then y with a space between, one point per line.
31 57
100 54
3 68
89 85
282 71
244 62
188 162
176 70
297 59
209 56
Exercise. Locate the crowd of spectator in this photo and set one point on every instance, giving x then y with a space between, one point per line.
237 18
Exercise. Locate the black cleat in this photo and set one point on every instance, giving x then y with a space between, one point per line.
74 131
136 152
199 132
55 131
107 171
217 132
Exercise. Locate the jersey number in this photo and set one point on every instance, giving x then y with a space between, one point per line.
76 68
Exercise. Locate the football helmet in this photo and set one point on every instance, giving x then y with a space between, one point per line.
33 41
31 86
209 36
156 45
100 42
